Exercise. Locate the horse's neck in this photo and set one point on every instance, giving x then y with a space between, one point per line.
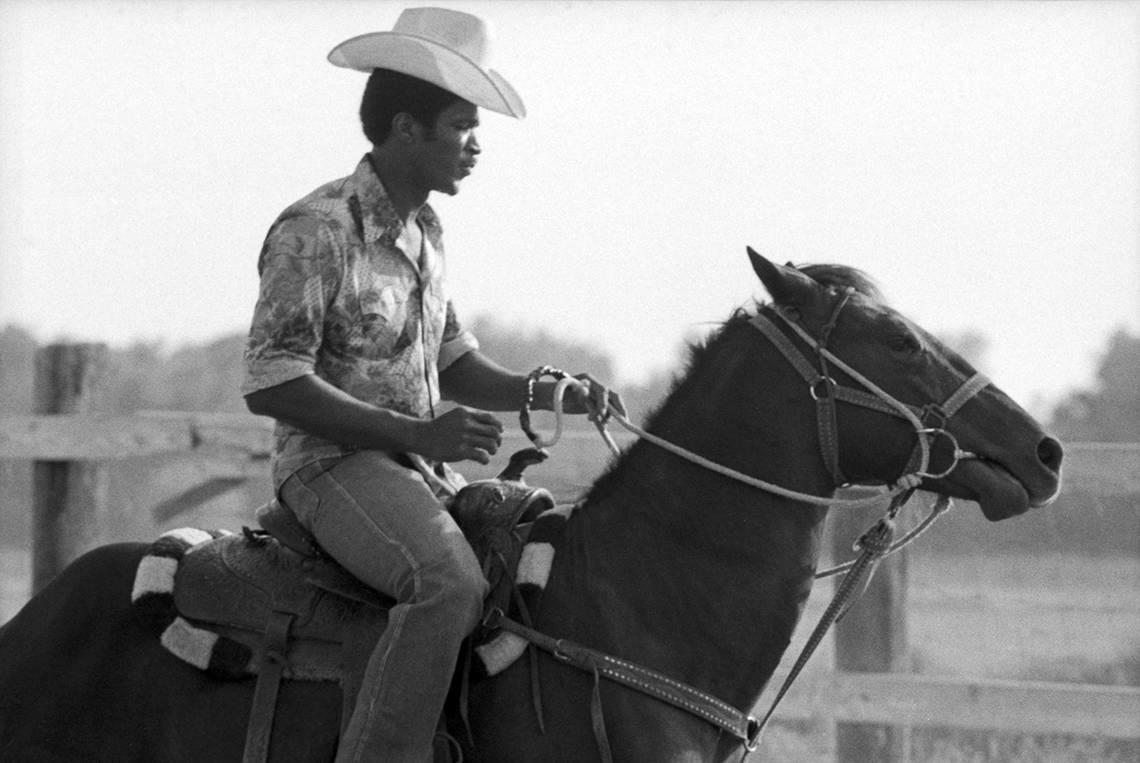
692 570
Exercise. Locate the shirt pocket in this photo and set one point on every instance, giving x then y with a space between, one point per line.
388 324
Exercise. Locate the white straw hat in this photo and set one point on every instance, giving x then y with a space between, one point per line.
448 48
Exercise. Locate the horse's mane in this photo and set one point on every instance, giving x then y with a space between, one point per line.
830 276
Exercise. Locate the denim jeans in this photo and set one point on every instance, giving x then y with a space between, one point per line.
382 522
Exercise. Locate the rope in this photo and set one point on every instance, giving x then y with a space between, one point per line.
564 382
941 505
907 482
874 545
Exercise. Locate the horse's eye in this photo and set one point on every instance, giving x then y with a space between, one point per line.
905 344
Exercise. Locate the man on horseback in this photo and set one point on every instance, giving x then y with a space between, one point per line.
354 343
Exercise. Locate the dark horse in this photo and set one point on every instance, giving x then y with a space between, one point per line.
665 563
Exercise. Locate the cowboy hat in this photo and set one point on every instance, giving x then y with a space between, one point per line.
448 48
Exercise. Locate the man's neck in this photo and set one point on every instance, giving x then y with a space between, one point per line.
407 196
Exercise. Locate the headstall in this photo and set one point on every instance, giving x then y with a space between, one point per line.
929 422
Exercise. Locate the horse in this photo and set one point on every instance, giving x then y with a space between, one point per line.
690 558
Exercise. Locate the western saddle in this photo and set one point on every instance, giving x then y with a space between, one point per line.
302 616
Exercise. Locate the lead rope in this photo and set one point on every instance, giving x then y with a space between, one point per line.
874 545
941 505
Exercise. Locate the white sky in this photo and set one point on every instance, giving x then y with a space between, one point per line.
981 160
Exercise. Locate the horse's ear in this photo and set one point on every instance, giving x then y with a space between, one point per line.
787 285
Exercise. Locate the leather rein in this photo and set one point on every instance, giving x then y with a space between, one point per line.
929 423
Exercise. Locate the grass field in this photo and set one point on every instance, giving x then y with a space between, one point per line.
1043 616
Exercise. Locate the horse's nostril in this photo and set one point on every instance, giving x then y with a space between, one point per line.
1050 453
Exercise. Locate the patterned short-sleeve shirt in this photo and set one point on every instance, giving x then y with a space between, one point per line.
341 299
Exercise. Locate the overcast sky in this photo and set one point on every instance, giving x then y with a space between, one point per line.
981 160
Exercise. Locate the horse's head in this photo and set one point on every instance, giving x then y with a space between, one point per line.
904 402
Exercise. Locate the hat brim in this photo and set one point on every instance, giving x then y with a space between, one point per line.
430 61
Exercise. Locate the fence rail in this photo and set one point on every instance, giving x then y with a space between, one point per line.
906 699
69 444
95 437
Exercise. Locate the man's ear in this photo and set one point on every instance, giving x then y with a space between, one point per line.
787 285
405 127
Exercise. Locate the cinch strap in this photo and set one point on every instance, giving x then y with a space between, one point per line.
260 729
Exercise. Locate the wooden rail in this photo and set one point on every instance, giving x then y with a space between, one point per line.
96 437
865 698
906 699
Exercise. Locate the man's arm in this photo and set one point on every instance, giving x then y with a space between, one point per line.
315 406
476 380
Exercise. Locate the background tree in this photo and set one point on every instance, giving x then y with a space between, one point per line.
1110 412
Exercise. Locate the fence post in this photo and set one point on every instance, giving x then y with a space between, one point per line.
67 502
871 638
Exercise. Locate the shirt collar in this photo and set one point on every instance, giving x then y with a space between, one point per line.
380 220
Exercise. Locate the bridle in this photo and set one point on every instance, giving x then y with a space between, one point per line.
929 423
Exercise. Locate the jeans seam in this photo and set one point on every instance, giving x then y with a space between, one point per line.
363 523
392 633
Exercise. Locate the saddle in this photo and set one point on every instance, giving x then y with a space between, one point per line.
273 604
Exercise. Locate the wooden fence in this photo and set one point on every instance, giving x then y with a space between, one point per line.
870 699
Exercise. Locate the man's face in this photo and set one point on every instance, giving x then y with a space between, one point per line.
447 152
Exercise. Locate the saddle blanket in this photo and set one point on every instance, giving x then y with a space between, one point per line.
153 600
221 650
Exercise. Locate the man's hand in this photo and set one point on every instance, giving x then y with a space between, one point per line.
461 434
595 399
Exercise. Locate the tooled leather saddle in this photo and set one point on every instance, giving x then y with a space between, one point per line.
281 608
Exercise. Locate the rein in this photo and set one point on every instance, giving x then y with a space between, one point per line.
929 423
875 398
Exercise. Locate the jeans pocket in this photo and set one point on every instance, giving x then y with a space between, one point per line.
297 495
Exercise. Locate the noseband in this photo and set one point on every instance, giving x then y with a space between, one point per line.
929 422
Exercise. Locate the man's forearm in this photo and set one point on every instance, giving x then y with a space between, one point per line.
477 381
317 407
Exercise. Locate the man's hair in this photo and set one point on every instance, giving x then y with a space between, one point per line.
389 93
